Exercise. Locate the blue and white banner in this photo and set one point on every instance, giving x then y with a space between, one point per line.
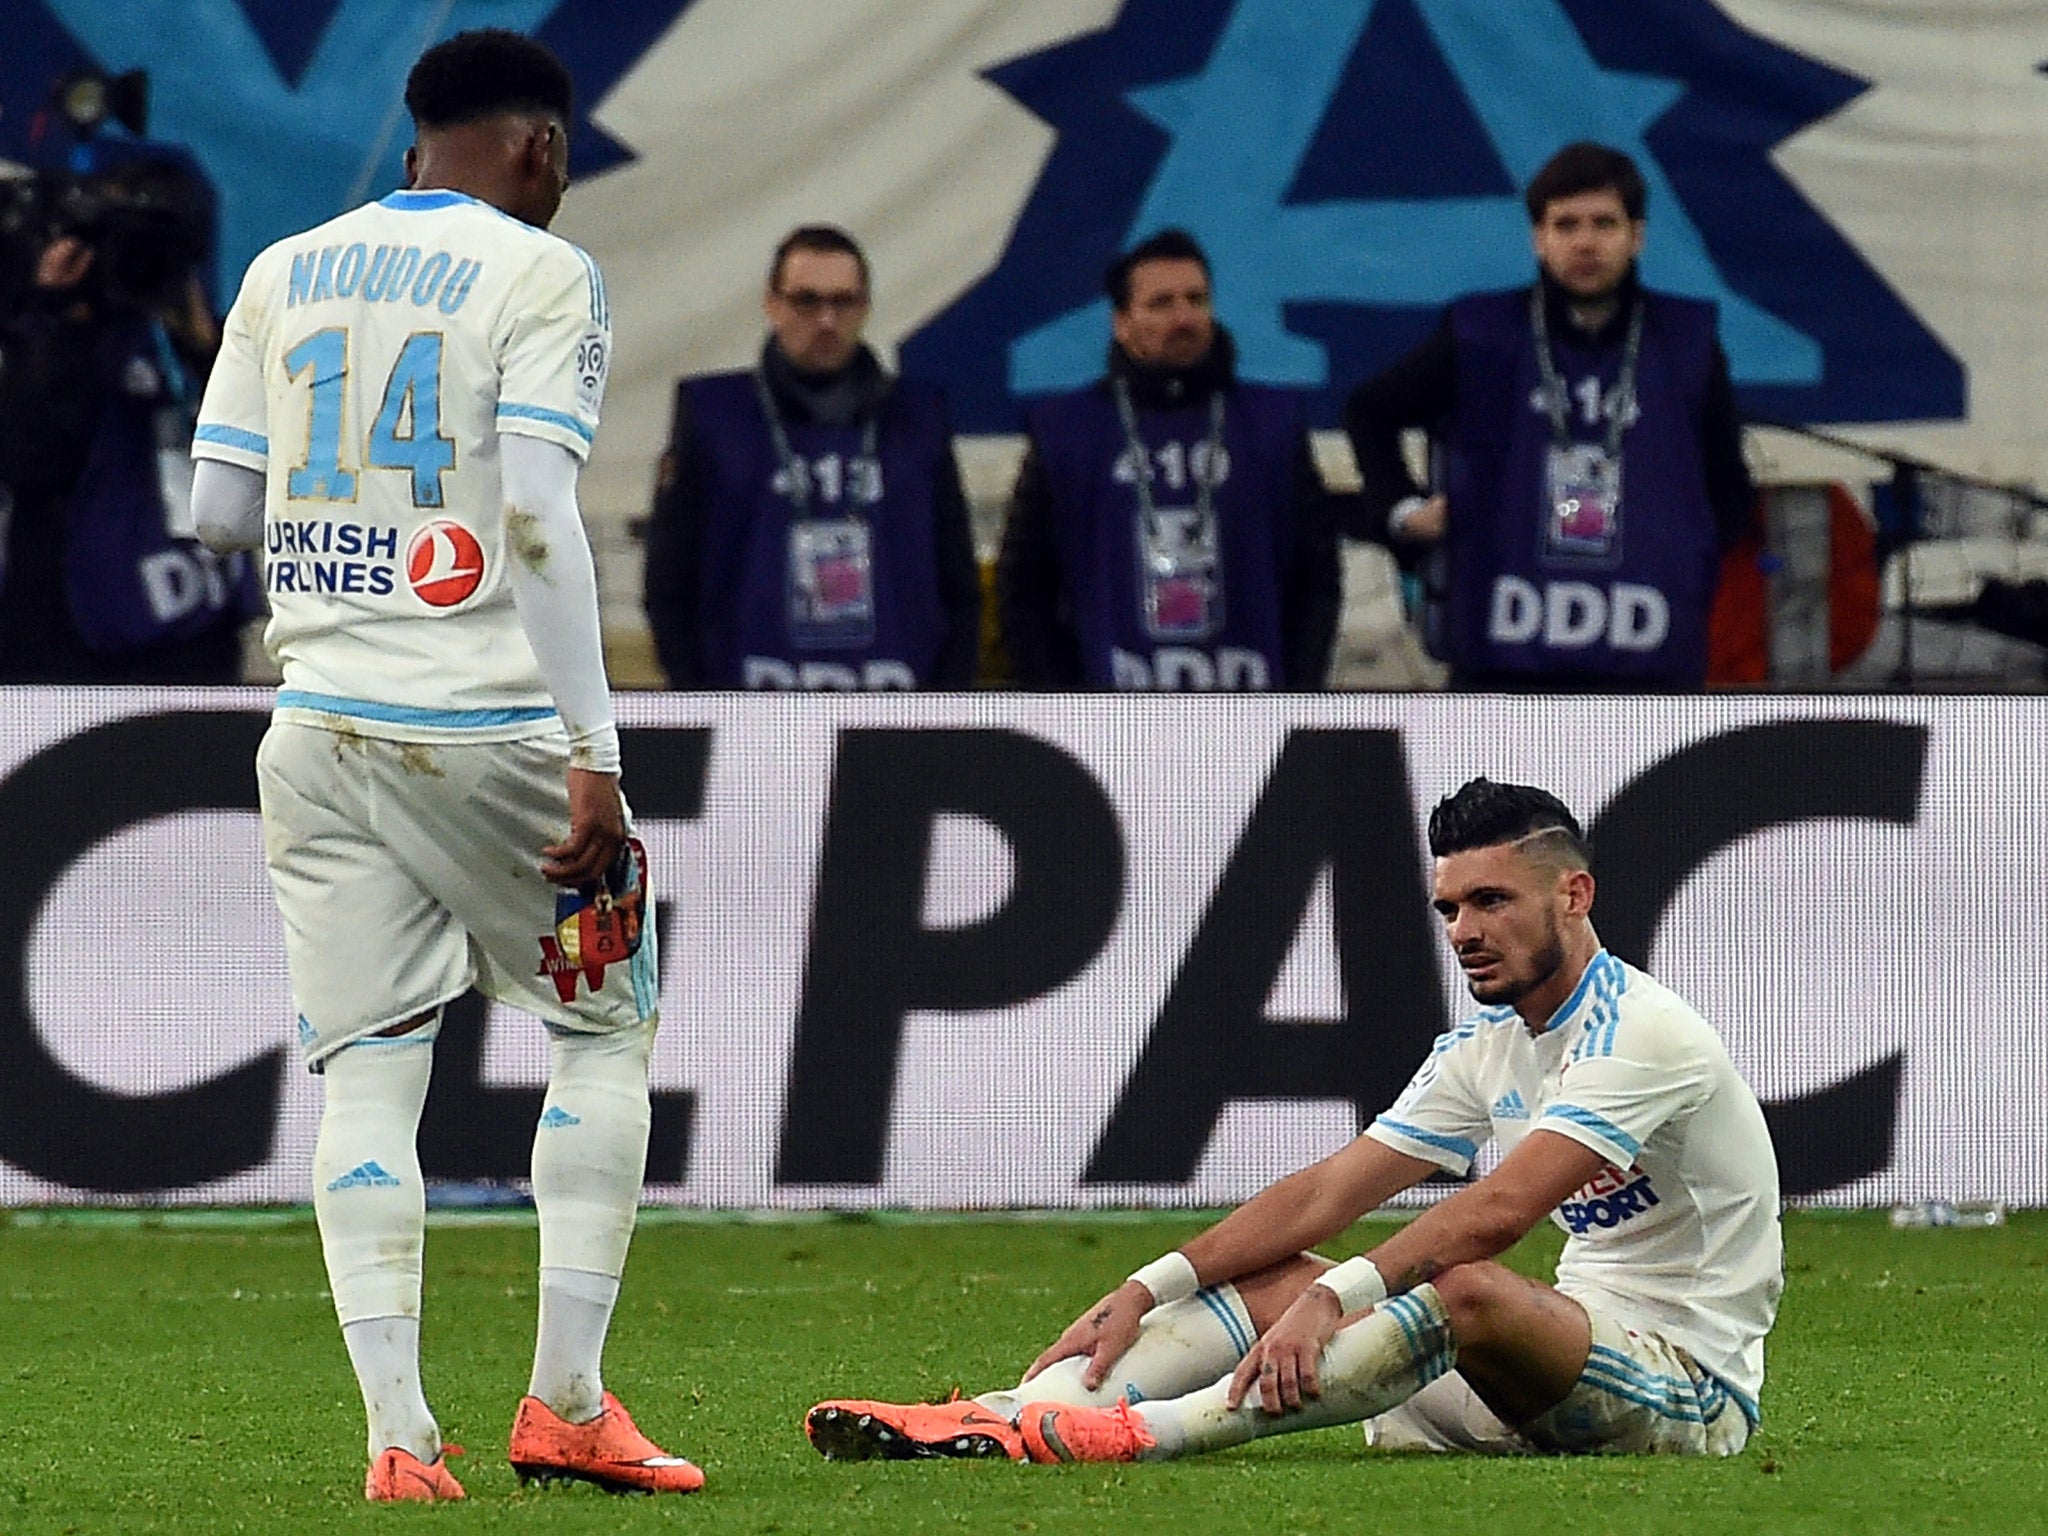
1861 186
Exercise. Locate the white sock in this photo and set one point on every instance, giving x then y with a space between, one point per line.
1181 1346
1366 1369
385 1352
589 1157
590 1148
371 1208
575 1313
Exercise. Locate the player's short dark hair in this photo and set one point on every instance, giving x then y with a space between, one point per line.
1587 167
826 240
479 74
1167 245
1483 814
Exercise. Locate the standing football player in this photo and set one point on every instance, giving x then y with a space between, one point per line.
401 407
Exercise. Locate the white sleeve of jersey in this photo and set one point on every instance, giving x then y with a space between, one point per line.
1621 1084
554 351
234 416
1440 1117
227 505
554 589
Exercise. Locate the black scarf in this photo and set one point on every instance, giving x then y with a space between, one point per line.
1558 303
835 399
1155 387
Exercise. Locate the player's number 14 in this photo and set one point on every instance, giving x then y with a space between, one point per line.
412 399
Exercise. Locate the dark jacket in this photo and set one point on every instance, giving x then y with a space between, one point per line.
678 529
87 400
1421 390
1038 623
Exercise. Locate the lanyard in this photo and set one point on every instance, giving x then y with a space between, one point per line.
1557 401
177 379
1202 473
794 469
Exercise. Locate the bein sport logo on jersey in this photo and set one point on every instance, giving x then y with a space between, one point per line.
597 925
444 564
1609 1200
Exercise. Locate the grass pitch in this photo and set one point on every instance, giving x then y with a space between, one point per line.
172 1375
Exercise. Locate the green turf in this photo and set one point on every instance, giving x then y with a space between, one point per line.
172 1377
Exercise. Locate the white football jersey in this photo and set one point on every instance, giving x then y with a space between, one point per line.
367 369
1679 1233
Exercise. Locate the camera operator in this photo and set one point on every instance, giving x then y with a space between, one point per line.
105 342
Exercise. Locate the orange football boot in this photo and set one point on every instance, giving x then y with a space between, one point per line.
1060 1432
852 1430
398 1475
609 1451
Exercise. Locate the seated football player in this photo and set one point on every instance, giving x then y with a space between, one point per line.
1618 1114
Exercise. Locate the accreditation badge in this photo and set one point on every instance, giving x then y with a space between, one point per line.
831 582
1180 573
1585 504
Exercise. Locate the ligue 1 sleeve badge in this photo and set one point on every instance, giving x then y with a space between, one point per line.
444 564
598 924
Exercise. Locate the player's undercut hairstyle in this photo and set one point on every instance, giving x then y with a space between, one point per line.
1167 245
479 74
1587 167
824 240
1484 814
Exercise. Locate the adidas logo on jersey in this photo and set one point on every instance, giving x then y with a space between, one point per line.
1509 1106
364 1176
556 1118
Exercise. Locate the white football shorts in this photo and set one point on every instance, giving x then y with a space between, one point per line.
408 872
1639 1393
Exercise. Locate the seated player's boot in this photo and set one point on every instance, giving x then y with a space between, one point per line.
609 1451
397 1475
852 1430
1060 1432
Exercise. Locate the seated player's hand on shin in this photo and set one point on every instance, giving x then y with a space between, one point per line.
1283 1367
1103 1333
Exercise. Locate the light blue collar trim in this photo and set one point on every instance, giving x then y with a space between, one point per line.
1603 968
405 200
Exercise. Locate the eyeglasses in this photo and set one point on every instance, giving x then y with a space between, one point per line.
809 302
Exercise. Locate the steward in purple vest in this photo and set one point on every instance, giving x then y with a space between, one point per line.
810 530
1589 454
1169 530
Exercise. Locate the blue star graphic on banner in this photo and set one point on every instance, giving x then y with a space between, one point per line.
1224 118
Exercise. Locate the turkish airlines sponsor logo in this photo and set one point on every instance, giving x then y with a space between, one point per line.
444 563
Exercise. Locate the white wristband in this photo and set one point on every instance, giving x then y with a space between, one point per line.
1357 1284
596 750
1170 1277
